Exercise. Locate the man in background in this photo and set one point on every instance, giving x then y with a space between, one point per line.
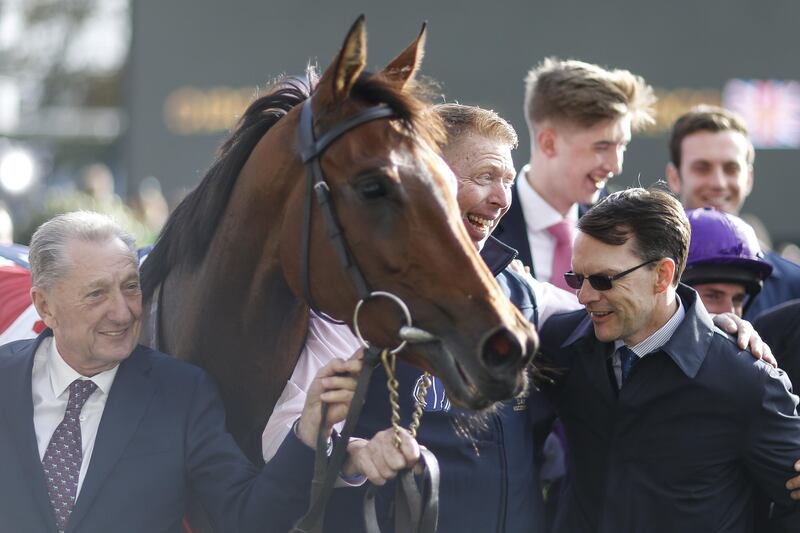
711 165
580 117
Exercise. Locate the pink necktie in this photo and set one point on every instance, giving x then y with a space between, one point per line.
562 255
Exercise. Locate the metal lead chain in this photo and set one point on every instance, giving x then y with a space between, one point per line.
389 360
416 416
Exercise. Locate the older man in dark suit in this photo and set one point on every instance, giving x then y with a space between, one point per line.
670 424
99 434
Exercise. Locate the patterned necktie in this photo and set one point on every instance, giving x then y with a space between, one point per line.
628 359
562 255
63 458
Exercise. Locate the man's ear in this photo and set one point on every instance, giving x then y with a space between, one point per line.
665 272
673 178
546 140
42 304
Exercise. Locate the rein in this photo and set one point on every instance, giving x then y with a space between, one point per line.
415 510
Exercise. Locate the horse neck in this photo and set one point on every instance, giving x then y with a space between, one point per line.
239 319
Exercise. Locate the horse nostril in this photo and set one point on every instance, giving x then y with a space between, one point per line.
501 351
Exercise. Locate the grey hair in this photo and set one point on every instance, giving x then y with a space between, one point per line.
47 253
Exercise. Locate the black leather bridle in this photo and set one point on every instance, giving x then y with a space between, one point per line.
420 512
311 150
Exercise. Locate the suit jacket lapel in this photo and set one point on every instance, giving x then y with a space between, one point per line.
597 368
127 403
17 402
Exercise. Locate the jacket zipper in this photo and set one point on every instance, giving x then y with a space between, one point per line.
503 476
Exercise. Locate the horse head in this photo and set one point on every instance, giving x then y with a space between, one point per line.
394 199
230 281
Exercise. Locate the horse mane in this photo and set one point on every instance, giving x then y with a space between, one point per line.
187 234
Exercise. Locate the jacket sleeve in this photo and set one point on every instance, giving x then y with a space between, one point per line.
238 496
772 445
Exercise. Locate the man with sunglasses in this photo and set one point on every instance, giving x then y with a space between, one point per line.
670 424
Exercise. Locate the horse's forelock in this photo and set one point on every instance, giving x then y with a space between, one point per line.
411 104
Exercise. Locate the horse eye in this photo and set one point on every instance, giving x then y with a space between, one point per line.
372 188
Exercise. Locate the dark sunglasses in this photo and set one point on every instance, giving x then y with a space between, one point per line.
598 281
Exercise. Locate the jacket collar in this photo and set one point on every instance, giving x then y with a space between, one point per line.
689 344
497 255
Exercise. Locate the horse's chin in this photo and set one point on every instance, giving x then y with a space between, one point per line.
464 390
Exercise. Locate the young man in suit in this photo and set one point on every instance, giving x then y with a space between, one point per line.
711 165
98 433
580 118
670 424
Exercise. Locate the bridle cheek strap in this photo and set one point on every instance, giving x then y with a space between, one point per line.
311 150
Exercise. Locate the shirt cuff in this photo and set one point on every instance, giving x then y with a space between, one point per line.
343 480
329 447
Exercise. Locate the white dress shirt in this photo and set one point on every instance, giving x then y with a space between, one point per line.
651 343
50 383
540 215
325 341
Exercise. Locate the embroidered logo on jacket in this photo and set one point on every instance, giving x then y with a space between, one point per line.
435 399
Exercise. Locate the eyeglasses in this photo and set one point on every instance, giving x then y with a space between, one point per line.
598 281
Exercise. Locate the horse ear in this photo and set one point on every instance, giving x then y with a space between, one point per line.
349 63
405 66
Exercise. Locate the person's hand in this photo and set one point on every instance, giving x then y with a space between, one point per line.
378 459
334 384
517 266
747 336
794 483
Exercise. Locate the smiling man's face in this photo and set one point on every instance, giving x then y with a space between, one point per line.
485 172
95 308
582 160
714 171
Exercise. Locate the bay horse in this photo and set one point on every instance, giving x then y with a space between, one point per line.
234 286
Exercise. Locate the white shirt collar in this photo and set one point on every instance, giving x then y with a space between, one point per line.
539 214
62 375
